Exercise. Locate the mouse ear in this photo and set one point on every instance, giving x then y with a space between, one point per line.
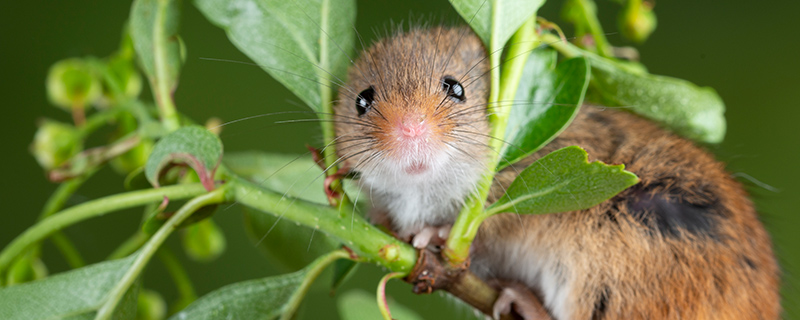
365 100
454 89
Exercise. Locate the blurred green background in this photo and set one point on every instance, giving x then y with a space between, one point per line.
747 53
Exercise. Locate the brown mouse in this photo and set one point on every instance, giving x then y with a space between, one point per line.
684 243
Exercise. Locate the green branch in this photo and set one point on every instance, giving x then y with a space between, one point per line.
349 228
503 89
152 245
92 209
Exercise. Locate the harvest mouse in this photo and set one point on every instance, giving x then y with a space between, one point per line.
684 243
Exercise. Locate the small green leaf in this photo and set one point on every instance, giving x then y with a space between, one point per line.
304 44
75 294
562 181
692 111
154 31
547 100
203 241
494 21
359 305
194 146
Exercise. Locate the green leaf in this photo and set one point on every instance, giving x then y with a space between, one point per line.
494 21
547 100
359 305
194 146
76 294
299 43
692 111
253 299
154 31
266 298
562 181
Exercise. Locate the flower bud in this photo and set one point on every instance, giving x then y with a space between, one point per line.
150 306
71 83
136 157
125 77
637 21
55 143
203 241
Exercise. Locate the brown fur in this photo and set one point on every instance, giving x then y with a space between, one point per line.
726 273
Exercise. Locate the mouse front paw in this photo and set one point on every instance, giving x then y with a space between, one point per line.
431 235
518 298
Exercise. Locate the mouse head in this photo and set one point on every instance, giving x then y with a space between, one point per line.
415 105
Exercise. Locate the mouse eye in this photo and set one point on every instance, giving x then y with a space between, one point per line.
453 88
365 100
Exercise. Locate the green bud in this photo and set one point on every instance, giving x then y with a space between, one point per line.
55 143
637 21
125 78
203 241
151 306
134 158
71 83
25 269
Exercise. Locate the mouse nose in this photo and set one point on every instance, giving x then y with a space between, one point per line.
412 127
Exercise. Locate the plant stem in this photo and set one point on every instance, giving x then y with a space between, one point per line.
163 87
216 196
178 274
383 305
55 203
565 48
364 238
314 270
589 14
469 219
92 209
97 121
62 194
67 250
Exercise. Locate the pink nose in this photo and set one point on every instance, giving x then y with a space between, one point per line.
412 128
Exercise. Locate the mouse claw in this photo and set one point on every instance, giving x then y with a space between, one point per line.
518 298
431 235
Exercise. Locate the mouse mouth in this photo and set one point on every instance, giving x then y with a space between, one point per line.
416 168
